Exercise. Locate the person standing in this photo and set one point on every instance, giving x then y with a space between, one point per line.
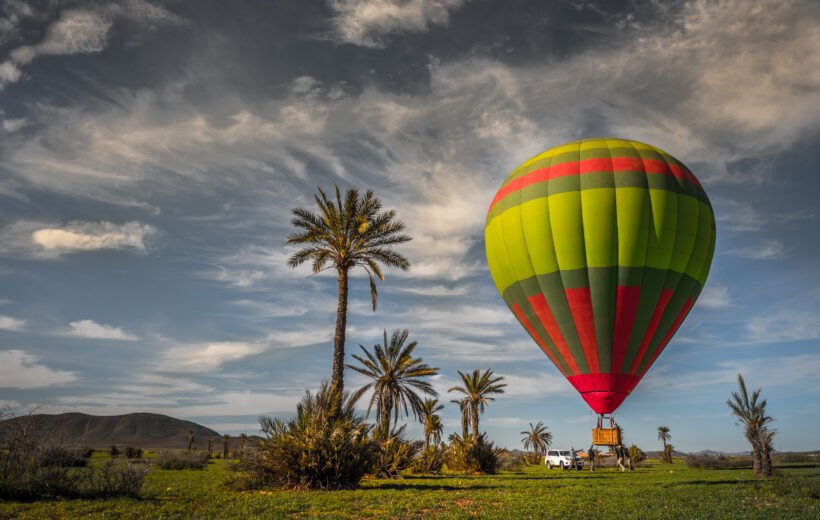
591 457
619 453
573 458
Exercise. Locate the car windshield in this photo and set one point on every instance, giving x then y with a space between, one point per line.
564 453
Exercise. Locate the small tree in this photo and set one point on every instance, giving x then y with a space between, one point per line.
433 427
225 439
210 447
243 439
537 438
190 439
477 388
751 412
113 451
664 436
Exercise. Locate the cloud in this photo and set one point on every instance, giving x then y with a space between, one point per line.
784 325
19 369
204 357
9 323
714 296
368 22
77 31
91 329
40 240
766 249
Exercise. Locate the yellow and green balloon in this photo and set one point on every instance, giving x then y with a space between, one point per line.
600 247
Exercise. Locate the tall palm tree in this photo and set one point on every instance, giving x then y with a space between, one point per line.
664 436
477 388
751 411
345 234
537 438
396 376
433 426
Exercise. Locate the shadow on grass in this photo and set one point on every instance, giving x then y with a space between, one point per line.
709 483
399 486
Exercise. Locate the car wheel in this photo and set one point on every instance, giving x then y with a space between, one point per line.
549 465
562 466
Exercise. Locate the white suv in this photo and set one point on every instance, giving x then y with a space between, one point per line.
562 459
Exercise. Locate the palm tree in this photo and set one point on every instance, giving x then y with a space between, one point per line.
225 439
464 408
537 438
433 426
665 437
477 388
396 378
751 411
345 234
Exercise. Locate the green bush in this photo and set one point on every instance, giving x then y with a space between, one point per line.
636 454
473 455
429 461
315 449
176 460
132 452
394 455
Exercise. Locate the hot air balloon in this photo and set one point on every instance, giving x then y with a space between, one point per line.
600 247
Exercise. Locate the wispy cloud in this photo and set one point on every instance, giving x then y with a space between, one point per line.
714 296
93 330
766 249
369 22
19 369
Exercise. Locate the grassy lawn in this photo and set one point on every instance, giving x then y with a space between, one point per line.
658 491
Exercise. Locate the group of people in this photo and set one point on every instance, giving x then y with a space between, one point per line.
621 453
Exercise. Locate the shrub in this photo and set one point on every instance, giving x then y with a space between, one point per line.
719 462
394 455
133 453
32 466
429 461
472 455
512 461
315 449
797 457
113 451
116 479
636 454
61 456
176 460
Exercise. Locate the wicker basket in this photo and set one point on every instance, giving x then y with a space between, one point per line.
605 437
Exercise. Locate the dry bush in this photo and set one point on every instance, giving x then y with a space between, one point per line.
394 455
179 459
430 461
473 455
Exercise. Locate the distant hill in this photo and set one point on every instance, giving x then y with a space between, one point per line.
143 430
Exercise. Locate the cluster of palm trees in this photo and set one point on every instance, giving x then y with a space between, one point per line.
664 436
351 231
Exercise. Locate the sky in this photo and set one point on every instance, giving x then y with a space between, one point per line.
151 154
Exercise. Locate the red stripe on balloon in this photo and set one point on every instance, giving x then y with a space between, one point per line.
626 308
580 305
672 330
663 301
527 325
542 310
615 164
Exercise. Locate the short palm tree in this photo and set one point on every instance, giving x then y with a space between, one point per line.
537 438
396 377
665 437
464 408
431 421
751 411
477 388
343 235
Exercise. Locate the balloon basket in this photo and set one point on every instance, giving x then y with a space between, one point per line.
602 436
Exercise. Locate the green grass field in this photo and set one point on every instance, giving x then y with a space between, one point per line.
657 491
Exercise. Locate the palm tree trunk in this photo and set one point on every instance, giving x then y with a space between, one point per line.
474 411
756 459
337 378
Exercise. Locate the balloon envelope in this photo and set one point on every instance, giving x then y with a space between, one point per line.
600 247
